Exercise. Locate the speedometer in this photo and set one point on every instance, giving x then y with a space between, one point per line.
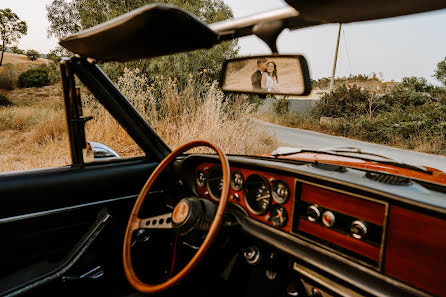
257 194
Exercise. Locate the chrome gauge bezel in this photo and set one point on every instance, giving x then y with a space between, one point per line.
245 196
276 195
285 215
199 182
234 185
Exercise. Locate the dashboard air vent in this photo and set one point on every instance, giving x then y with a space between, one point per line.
388 179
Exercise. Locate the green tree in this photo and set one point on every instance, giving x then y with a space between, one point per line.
67 17
32 54
11 28
440 72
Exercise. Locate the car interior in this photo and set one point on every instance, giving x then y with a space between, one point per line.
175 223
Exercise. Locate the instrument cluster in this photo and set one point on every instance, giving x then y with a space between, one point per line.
264 195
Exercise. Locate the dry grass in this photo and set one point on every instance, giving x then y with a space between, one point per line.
197 111
33 132
13 65
22 62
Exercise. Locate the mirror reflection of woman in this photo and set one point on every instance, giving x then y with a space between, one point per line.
269 77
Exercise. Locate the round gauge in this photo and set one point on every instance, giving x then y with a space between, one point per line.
257 194
237 180
281 191
215 182
279 215
201 178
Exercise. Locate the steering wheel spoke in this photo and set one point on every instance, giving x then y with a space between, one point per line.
163 221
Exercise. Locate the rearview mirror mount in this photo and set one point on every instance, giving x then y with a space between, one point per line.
272 74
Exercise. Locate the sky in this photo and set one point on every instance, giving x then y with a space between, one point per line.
396 47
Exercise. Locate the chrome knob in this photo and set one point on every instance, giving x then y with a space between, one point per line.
358 229
252 255
313 213
328 218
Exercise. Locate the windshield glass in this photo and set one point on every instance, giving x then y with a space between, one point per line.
388 100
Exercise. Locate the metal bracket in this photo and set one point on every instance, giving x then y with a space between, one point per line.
268 32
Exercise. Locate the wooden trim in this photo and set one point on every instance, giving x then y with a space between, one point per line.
370 211
416 250
270 177
360 247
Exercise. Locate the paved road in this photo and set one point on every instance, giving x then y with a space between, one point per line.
294 137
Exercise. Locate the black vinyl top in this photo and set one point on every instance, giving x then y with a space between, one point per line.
150 31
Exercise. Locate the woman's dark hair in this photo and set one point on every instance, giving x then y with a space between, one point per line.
274 71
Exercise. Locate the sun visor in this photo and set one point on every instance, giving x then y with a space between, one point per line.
150 31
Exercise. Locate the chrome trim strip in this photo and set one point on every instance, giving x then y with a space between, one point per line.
63 209
325 282
251 20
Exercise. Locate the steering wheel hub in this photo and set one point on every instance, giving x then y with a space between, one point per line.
181 212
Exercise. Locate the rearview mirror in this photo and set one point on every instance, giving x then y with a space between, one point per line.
274 74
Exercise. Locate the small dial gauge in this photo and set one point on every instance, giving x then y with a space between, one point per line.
281 191
279 215
237 180
257 194
201 178
215 182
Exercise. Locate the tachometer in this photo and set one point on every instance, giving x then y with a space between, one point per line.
257 194
215 182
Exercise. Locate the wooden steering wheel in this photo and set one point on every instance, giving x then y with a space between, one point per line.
177 217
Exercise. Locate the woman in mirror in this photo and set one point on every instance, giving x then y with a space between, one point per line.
270 80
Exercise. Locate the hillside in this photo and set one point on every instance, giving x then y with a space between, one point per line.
13 65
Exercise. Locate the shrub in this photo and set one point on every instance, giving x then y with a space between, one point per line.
281 106
15 50
4 101
37 77
32 54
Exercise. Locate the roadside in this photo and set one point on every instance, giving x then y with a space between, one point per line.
300 138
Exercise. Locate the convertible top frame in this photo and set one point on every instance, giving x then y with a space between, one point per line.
111 98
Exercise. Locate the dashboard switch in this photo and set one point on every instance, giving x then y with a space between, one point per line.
252 255
328 218
313 213
358 229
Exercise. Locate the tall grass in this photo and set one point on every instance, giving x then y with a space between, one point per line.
33 131
196 111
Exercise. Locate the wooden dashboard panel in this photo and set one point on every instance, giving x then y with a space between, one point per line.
345 241
416 250
367 210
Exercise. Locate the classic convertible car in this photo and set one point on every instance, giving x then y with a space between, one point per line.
292 223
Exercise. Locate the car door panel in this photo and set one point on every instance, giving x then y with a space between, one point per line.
45 215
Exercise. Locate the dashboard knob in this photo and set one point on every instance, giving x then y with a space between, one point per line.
358 229
328 218
252 255
313 213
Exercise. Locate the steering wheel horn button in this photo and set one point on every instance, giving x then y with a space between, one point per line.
181 212
328 219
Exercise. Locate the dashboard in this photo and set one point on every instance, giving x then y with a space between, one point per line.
367 229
